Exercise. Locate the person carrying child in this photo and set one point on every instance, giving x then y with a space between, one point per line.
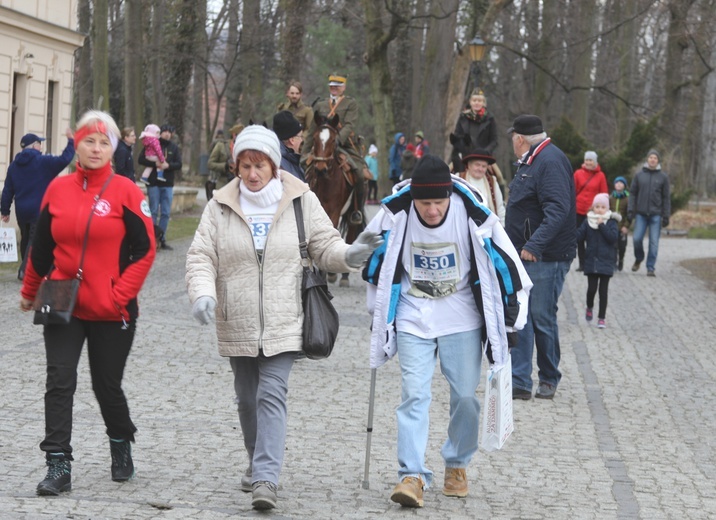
618 203
599 230
152 151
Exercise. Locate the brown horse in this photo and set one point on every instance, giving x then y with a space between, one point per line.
330 178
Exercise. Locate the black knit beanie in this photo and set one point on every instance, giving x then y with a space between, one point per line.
431 179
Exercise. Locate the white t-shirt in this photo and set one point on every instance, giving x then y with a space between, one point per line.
435 296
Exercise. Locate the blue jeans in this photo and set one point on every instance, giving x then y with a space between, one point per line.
541 327
160 204
460 359
653 222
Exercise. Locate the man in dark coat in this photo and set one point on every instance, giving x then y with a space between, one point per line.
28 177
290 133
123 159
540 216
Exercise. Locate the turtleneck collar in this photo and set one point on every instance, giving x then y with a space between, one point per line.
93 178
266 196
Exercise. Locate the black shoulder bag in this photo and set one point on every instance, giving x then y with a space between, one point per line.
55 299
320 319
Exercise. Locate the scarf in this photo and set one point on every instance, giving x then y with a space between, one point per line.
593 218
620 194
266 196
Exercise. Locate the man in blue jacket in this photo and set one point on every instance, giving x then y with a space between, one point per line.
541 212
28 177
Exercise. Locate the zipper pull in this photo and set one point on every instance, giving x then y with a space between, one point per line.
84 184
125 325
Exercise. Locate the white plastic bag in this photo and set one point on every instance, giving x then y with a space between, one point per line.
8 244
497 424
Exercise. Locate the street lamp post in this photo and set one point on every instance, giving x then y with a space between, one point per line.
477 49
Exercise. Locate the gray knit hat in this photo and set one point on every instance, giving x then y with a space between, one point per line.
261 139
590 155
654 152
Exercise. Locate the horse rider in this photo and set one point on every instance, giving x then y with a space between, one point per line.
348 146
300 111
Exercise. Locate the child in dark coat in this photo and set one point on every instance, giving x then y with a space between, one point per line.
618 203
600 231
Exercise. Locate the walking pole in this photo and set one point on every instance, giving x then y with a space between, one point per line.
369 429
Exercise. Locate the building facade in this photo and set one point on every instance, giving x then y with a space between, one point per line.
37 44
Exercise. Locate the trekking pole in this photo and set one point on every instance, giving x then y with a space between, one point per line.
369 429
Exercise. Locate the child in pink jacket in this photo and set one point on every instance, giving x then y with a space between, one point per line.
153 151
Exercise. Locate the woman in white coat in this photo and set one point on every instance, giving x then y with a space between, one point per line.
244 270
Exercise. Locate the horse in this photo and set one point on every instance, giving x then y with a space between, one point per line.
331 179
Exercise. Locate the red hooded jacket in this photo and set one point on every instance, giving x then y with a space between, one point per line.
587 184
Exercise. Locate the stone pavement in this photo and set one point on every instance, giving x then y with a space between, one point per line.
628 435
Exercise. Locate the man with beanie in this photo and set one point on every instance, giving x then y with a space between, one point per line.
649 207
540 220
346 108
28 177
589 180
447 284
290 133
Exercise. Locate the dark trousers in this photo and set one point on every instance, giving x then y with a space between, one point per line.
372 189
621 247
601 281
108 346
581 243
27 231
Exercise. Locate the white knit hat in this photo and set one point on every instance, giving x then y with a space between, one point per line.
590 155
261 139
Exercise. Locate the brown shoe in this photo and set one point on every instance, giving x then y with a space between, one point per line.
455 482
409 493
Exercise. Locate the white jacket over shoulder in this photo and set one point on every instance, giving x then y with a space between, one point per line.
500 285
259 302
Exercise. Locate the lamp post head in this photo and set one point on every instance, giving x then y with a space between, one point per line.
477 48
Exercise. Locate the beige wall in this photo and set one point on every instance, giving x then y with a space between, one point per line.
37 42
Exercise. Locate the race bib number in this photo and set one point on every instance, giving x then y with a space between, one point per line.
434 270
260 226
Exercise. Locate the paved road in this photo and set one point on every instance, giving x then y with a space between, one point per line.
629 434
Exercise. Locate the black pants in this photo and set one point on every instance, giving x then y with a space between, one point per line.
581 243
27 231
372 189
621 247
601 280
108 346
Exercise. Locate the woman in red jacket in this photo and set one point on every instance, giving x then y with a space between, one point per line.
119 252
589 180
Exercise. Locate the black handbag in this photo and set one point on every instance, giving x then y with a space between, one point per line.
320 319
55 299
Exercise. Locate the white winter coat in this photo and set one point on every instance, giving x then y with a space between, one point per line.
259 303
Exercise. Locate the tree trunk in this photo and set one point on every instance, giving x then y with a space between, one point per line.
84 76
133 66
231 64
155 61
586 16
251 60
439 61
100 60
199 79
293 35
626 40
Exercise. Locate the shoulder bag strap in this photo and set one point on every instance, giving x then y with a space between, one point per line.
302 245
89 221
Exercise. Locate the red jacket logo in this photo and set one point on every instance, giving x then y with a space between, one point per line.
102 208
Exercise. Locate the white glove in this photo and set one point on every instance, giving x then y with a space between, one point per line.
360 250
203 310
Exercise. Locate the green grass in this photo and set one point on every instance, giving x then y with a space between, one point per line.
703 232
182 226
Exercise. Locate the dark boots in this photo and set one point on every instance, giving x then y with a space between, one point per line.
122 464
59 475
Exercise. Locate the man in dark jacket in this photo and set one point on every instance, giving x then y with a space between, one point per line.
123 159
161 193
541 213
28 177
290 133
649 207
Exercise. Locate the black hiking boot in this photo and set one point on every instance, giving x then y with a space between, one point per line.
122 464
59 475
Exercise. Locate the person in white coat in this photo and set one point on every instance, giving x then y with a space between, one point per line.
446 282
244 271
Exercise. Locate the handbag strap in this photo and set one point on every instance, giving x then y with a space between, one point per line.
89 221
302 245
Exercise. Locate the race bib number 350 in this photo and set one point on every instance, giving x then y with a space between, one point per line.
434 263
